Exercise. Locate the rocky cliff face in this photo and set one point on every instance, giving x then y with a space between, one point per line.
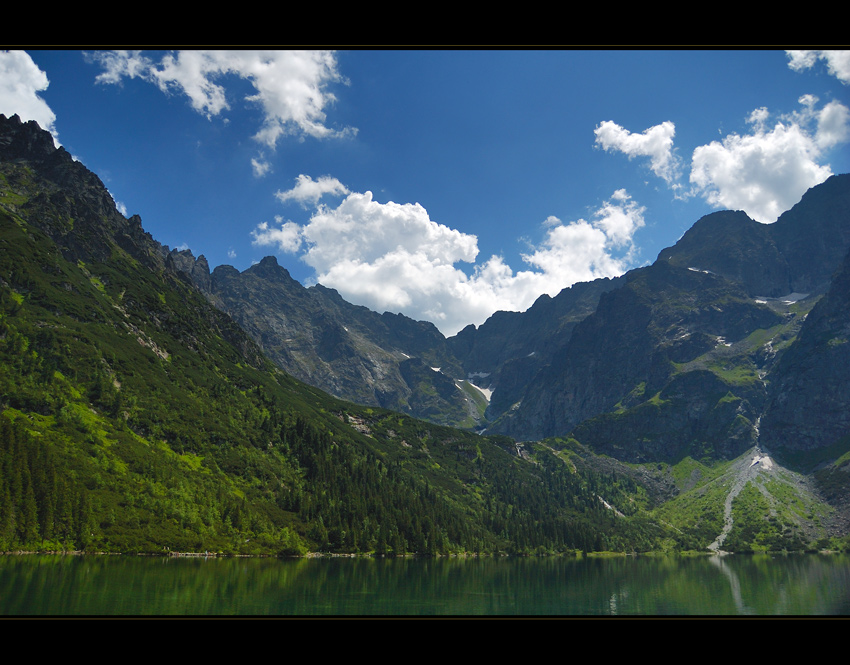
696 414
44 185
507 351
798 253
730 244
390 360
686 356
70 202
809 392
385 360
630 349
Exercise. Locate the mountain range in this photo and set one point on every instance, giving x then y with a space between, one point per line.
707 320
149 402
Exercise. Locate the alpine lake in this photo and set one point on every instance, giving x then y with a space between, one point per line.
727 586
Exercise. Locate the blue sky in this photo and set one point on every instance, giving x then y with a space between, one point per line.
441 184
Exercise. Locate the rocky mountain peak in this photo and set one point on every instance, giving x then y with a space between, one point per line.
198 269
773 259
25 140
269 269
66 200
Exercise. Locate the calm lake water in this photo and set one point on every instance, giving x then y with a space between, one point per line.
733 585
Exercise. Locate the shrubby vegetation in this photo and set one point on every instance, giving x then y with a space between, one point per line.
136 418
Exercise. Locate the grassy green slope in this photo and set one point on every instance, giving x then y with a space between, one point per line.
134 417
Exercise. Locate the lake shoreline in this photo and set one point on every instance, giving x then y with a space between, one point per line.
469 555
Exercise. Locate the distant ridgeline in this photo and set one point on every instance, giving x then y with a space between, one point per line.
657 348
148 404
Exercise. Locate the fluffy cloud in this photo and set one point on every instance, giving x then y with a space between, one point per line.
764 172
309 191
118 64
287 236
291 87
393 257
767 171
260 166
20 82
361 230
833 126
837 62
655 143
584 250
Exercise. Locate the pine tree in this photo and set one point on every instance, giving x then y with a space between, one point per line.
28 525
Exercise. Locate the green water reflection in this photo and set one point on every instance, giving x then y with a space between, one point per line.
735 585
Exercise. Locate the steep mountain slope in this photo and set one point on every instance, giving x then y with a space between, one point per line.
678 359
628 354
796 254
390 360
505 353
730 244
809 392
135 416
386 360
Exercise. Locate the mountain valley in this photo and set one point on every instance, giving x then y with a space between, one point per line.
149 403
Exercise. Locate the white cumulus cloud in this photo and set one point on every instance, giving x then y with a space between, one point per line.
260 166
766 171
287 236
308 191
291 87
655 143
837 62
394 257
20 82
763 172
833 125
